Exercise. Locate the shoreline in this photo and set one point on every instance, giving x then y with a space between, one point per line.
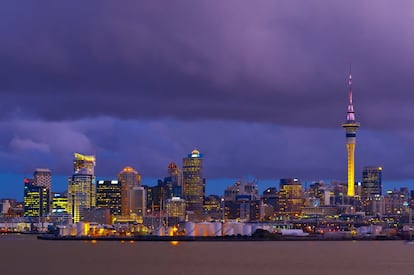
210 239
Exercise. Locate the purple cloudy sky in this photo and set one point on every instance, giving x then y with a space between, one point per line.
260 87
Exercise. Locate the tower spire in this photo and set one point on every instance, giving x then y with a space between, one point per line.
350 116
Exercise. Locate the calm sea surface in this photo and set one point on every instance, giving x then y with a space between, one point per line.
21 255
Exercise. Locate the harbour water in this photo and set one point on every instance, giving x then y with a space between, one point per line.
24 254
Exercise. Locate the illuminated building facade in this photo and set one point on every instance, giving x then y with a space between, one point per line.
83 164
350 127
59 203
154 199
193 181
174 181
81 187
36 200
290 197
175 207
371 191
129 178
317 192
108 195
371 182
213 207
396 202
241 201
43 178
60 211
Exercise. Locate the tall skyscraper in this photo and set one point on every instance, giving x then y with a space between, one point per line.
43 178
81 187
129 178
350 127
290 197
36 200
173 183
371 182
138 200
108 195
194 184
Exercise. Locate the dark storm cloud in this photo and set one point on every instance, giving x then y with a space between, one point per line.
268 61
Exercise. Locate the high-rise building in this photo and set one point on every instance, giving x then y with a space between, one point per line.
129 178
317 191
396 202
156 196
81 187
290 197
60 203
108 195
43 177
270 199
83 164
241 189
175 207
213 207
36 200
350 127
138 200
193 181
60 212
174 181
241 201
371 182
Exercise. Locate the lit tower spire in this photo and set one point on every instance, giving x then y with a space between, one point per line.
350 127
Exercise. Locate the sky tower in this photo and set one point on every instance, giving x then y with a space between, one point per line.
350 127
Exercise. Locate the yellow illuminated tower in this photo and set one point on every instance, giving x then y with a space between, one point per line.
350 127
81 187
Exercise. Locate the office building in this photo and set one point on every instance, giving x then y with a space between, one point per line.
371 182
156 196
241 202
290 197
396 202
43 177
129 178
60 203
193 181
108 195
175 207
81 187
36 201
174 181
138 201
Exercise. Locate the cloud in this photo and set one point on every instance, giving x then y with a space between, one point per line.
271 62
27 144
231 149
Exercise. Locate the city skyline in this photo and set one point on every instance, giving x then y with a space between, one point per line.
259 88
